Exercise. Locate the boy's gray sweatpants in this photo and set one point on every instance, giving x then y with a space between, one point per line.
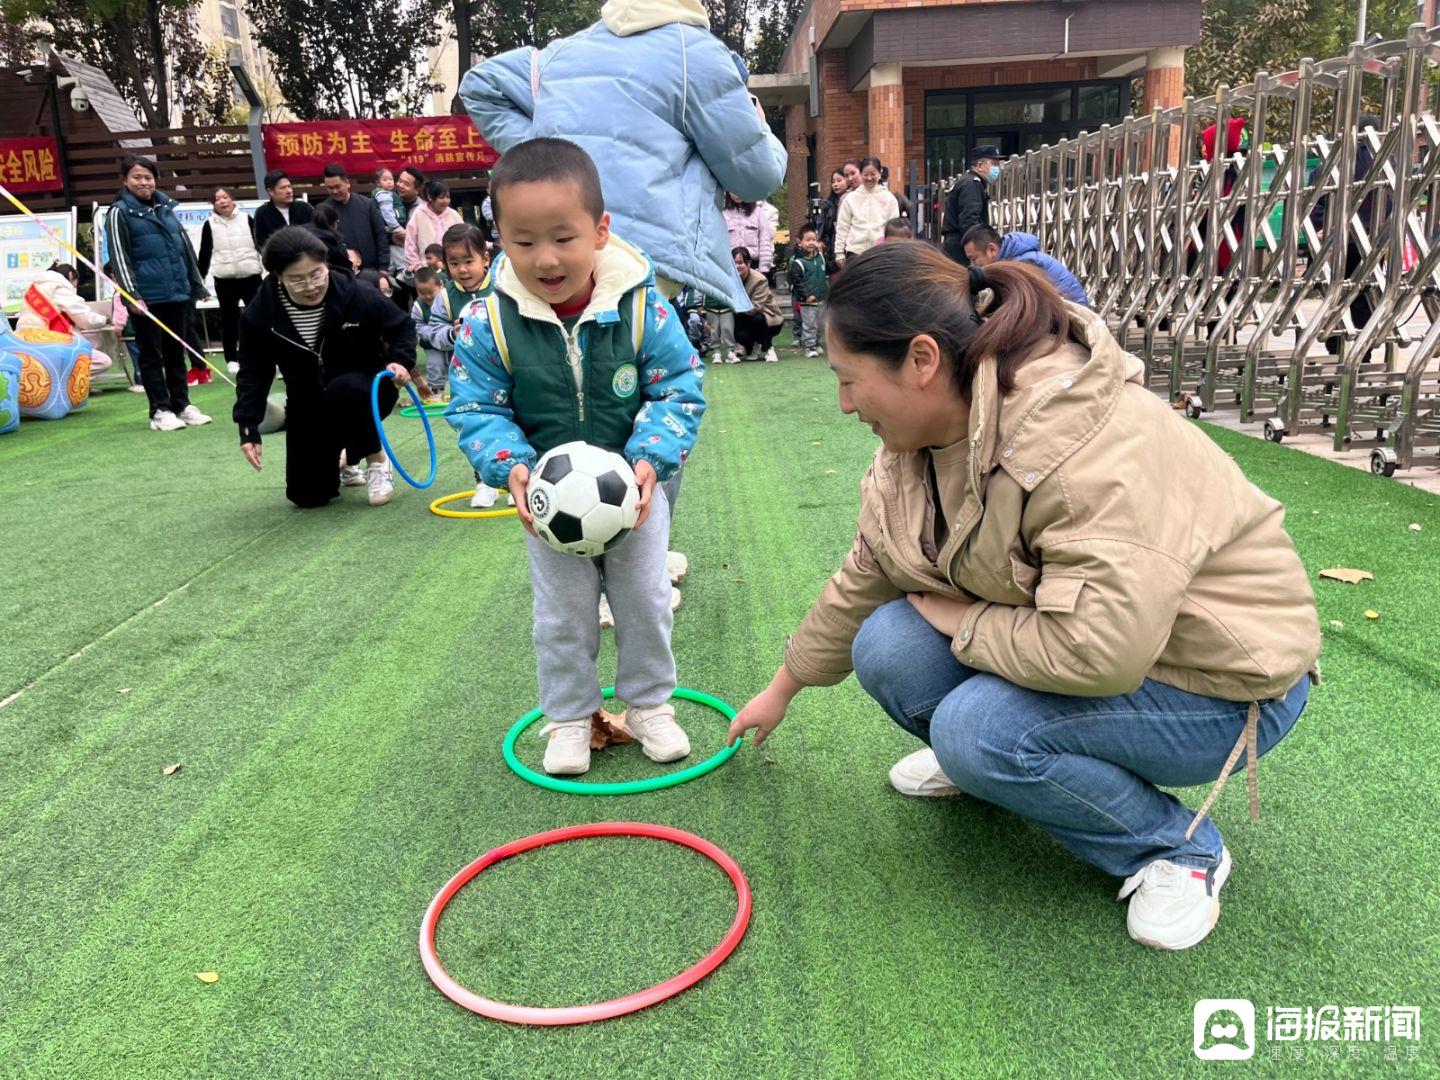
810 325
567 624
437 369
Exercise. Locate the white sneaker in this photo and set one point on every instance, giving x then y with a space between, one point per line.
607 617
484 497
715 358
135 388
1172 906
733 356
352 476
656 731
770 357
919 774
674 598
568 752
193 417
165 420
234 367
677 566
378 484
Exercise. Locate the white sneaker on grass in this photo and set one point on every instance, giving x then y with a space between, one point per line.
674 598
193 417
656 731
378 485
771 357
234 367
677 566
568 752
352 476
919 774
135 388
484 497
165 420
1172 906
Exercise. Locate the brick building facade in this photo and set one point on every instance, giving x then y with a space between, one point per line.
918 82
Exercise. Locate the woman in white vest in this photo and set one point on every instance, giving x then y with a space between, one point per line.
228 251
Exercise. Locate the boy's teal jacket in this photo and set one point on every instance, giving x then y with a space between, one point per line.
661 105
625 377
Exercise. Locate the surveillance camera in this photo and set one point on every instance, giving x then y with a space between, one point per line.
65 82
79 100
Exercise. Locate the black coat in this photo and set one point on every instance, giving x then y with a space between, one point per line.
363 332
967 205
269 221
364 230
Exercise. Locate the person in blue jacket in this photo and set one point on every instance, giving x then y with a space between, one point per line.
661 106
984 246
575 342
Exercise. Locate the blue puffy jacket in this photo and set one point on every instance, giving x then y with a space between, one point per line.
1023 247
149 251
661 106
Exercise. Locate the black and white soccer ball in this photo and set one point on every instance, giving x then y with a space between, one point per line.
583 498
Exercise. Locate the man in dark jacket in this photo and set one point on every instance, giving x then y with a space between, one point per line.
282 209
968 203
360 222
984 246
328 364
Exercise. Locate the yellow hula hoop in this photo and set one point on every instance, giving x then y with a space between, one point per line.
438 508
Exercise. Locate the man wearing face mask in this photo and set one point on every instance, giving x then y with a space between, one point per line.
968 203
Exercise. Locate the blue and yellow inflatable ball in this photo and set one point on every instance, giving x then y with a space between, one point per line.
54 371
9 392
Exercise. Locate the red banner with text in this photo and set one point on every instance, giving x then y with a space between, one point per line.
31 164
432 143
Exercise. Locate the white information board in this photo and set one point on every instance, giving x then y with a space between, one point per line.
26 250
192 217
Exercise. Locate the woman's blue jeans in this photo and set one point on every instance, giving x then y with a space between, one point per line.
1082 768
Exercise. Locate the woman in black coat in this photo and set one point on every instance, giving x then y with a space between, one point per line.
328 334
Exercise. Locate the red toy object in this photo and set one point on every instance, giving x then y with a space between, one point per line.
600 1010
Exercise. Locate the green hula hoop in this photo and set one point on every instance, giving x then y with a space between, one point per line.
625 787
432 408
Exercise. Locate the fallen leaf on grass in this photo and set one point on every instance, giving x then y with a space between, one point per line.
208 976
171 770
739 581
607 728
1337 624
1345 573
1414 527
124 690
814 442
829 472
1371 614
1314 511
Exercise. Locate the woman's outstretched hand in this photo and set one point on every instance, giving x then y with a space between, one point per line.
766 709
252 453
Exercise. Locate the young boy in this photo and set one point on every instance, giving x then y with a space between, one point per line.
429 290
575 342
897 228
810 285
435 260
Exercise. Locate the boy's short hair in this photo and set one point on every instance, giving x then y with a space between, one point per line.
556 160
898 228
982 236
464 235
805 230
437 250
427 275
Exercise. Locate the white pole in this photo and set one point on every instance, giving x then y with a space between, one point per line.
1360 22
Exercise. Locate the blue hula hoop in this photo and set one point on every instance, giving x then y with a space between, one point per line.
384 442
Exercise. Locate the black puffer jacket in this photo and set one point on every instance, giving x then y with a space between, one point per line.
363 332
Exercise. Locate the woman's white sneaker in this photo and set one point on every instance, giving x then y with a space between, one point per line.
656 731
1173 906
919 774
193 417
378 486
165 420
352 476
484 497
568 752
771 357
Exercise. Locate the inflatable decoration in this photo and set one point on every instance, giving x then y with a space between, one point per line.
9 392
54 371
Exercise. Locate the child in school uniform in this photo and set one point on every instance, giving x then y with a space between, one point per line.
575 341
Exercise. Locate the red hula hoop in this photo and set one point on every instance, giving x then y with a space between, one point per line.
601 1010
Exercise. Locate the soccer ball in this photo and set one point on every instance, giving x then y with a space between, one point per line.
583 498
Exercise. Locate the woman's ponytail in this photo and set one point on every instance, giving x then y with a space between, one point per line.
1025 311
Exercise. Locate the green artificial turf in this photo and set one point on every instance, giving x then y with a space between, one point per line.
336 684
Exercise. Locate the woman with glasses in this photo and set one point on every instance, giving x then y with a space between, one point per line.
328 334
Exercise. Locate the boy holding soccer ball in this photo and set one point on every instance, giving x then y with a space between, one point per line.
575 343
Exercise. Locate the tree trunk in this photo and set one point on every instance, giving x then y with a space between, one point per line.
463 50
157 65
